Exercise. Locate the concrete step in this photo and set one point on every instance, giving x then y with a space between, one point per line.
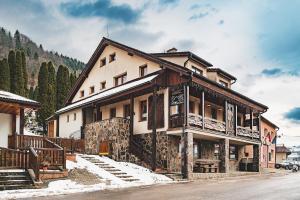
108 167
16 182
113 170
124 176
15 187
16 177
129 179
118 173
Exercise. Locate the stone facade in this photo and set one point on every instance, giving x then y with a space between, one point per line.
224 155
115 131
256 158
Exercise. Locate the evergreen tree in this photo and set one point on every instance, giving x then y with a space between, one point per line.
72 79
52 88
19 80
4 75
12 68
31 93
62 86
43 112
18 40
25 76
36 93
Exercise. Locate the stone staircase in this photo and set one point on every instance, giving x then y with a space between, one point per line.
111 169
12 180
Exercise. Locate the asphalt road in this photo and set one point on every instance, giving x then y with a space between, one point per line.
264 187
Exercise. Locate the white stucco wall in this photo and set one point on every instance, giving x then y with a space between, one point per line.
5 129
123 63
71 128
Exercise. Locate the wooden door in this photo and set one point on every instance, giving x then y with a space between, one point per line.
104 148
51 129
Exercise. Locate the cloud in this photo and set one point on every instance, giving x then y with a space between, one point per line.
279 72
198 16
168 2
293 114
103 9
221 22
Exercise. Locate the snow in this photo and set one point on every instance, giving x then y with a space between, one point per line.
63 187
11 96
107 93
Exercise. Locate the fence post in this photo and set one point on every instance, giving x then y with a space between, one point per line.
64 158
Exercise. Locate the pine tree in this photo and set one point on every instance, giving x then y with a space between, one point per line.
4 75
31 93
25 76
18 40
19 80
52 88
72 79
43 112
12 68
62 86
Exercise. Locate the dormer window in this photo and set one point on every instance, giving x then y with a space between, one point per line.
197 71
112 57
119 80
143 70
81 93
92 89
102 62
224 84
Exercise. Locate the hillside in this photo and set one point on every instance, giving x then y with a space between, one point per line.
35 54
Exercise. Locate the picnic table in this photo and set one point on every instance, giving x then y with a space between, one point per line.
207 165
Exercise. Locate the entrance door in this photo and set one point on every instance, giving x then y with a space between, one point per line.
104 148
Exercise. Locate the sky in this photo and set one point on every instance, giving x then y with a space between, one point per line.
256 41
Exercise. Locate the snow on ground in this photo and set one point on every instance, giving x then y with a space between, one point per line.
67 186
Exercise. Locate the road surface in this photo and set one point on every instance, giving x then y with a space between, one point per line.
264 187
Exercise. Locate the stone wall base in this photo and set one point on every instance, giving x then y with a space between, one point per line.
197 176
48 175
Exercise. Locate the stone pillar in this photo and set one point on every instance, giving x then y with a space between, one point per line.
256 157
224 155
186 154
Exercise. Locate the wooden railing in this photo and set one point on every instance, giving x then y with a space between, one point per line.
10 158
215 125
71 145
52 157
25 141
195 120
176 120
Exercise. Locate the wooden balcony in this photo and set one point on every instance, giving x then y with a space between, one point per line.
214 125
247 132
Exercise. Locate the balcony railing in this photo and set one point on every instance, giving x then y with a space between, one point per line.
247 132
215 125
195 120
176 120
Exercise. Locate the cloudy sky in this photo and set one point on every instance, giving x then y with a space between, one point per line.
256 41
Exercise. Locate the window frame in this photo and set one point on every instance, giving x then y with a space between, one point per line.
123 78
223 83
143 115
197 71
112 57
81 93
92 89
233 155
111 113
103 62
74 117
101 85
68 118
126 108
143 70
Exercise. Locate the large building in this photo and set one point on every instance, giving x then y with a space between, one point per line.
174 111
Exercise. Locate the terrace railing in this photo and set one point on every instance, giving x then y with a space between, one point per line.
214 125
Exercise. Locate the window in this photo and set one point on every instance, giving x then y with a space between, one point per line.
192 107
197 71
74 116
213 113
112 113
102 62
103 85
143 110
92 89
81 93
217 151
239 121
224 84
270 156
127 111
176 109
112 57
119 80
143 70
68 118
233 153
196 150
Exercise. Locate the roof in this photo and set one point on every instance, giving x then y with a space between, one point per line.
282 149
222 72
105 42
269 122
108 93
14 98
189 54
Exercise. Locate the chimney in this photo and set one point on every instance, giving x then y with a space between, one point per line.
172 50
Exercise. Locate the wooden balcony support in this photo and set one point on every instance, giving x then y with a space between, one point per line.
154 108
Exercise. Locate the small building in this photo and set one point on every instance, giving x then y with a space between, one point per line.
12 109
282 153
268 147
172 110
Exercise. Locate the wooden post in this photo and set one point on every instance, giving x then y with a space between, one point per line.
21 121
154 102
98 112
57 126
131 128
251 122
64 158
235 121
203 109
225 116
14 124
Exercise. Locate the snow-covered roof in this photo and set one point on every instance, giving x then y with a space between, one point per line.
107 93
14 98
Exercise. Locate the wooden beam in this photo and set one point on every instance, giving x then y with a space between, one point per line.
203 108
22 121
131 128
225 116
235 121
154 102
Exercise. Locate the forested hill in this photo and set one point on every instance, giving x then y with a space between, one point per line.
35 54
